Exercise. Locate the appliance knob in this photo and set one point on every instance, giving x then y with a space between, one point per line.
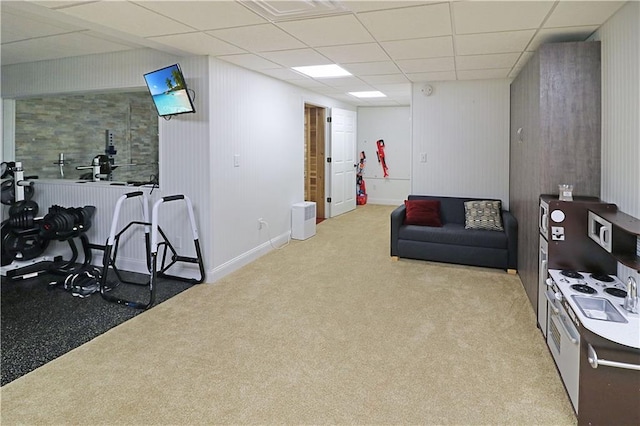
558 296
549 282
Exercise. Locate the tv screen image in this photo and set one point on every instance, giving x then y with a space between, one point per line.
169 91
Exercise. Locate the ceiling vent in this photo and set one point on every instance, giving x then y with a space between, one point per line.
278 10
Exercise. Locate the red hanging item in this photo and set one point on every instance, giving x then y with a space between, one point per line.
381 158
361 188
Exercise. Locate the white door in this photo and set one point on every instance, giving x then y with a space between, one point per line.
343 161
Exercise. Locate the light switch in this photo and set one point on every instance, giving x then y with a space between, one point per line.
236 160
423 157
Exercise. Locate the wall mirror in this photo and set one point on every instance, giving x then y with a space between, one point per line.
76 128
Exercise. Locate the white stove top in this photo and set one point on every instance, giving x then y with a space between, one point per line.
608 287
585 283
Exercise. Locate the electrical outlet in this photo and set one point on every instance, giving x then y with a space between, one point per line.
177 242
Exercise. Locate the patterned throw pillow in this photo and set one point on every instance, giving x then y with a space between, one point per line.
483 214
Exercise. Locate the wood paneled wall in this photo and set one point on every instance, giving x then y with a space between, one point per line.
555 138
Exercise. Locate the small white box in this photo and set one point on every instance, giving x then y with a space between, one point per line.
303 220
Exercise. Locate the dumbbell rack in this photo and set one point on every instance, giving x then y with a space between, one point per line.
24 269
61 231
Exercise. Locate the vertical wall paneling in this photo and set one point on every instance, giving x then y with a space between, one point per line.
554 138
184 165
238 112
261 121
393 125
620 40
463 128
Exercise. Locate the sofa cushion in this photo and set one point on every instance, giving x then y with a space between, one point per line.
422 212
454 233
483 214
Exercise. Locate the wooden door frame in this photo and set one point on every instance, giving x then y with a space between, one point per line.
315 156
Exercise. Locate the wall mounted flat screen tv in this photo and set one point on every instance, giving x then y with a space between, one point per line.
169 91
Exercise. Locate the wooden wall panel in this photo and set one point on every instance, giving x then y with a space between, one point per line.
555 101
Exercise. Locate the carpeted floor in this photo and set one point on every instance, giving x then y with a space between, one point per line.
328 330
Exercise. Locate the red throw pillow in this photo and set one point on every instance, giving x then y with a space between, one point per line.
422 212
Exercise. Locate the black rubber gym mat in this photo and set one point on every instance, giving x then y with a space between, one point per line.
40 322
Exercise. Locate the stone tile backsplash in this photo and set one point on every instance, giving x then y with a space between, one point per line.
76 125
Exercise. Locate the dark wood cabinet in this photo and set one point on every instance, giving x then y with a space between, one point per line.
554 138
608 395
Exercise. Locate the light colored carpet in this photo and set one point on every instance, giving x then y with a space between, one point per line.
325 331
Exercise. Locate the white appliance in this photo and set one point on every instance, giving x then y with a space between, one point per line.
563 337
565 244
543 259
303 220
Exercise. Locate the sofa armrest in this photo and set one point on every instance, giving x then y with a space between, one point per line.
510 225
397 218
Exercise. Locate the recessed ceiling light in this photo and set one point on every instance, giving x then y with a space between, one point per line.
371 94
323 71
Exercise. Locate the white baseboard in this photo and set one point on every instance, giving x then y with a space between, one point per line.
244 259
385 201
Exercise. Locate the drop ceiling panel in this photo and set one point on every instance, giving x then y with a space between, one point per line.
353 83
16 27
411 22
432 47
198 44
366 6
278 10
367 52
581 13
472 17
127 17
479 62
250 61
384 79
505 42
330 31
58 46
258 38
285 74
309 83
296 58
205 15
426 65
432 76
373 68
58 3
382 43
395 89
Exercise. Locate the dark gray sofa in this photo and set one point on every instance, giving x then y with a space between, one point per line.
452 243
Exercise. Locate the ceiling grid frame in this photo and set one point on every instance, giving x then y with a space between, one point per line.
381 21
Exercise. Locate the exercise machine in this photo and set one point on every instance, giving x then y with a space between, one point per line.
25 236
155 241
